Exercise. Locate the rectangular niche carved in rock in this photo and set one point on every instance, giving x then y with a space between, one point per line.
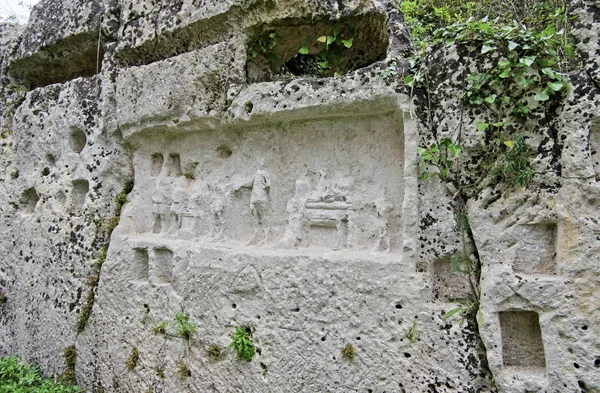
522 344
139 269
595 147
328 183
535 249
447 282
161 266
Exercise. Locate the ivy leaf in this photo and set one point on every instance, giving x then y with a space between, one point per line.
330 40
487 48
324 64
550 73
449 42
491 99
409 81
542 96
336 32
555 86
348 43
509 144
421 150
322 39
425 175
498 124
272 36
304 50
450 313
526 82
512 45
506 100
505 74
455 150
503 63
254 54
477 100
482 126
527 60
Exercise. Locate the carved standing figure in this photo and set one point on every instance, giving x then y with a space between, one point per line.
217 212
161 204
259 204
296 216
178 204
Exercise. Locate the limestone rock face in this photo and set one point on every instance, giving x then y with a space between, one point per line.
286 205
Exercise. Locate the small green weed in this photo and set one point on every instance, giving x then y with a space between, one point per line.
413 333
184 328
349 352
242 343
132 361
161 328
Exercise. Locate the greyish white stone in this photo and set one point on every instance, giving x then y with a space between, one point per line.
286 204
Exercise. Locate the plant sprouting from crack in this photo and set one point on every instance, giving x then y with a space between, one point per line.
413 333
183 326
349 352
242 343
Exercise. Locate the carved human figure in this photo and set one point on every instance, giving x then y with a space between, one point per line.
161 204
197 206
217 213
383 207
178 203
296 216
259 205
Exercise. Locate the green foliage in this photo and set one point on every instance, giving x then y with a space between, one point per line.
332 50
20 377
242 343
349 352
265 45
183 326
413 333
441 156
467 307
93 280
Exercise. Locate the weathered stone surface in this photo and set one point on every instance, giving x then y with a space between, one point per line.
290 205
62 41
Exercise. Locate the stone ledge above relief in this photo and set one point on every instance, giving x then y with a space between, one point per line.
292 185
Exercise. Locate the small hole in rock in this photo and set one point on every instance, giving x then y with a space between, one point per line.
399 306
406 355
224 151
234 305
77 140
46 171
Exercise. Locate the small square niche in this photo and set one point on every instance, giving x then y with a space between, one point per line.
536 249
522 344
447 282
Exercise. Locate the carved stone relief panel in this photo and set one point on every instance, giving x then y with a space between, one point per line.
333 184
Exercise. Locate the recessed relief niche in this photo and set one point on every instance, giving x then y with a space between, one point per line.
139 268
329 184
160 265
522 344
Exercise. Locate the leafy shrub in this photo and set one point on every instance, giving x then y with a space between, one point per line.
20 377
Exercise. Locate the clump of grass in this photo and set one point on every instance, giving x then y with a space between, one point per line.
214 352
161 328
182 370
